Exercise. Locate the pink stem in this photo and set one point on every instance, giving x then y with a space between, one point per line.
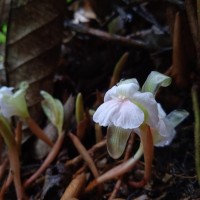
49 159
38 131
117 171
147 142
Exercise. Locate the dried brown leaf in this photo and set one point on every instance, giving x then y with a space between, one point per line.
34 38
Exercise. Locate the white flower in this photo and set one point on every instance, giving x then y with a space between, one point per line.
13 104
126 107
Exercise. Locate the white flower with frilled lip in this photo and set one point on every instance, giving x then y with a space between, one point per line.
126 107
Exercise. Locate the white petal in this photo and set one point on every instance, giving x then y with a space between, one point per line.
116 141
160 141
161 112
132 80
7 107
105 112
111 94
123 89
165 128
127 90
148 101
122 114
6 90
129 116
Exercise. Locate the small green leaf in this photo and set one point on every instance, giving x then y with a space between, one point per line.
116 140
154 81
118 69
79 108
53 109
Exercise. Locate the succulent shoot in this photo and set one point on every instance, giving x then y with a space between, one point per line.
79 108
54 110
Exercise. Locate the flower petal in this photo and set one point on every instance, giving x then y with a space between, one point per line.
131 80
125 88
148 101
6 90
160 141
122 114
7 109
116 140
165 128
177 116
129 116
105 112
14 104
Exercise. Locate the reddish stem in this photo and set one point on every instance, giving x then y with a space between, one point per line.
116 171
147 142
38 131
15 169
49 159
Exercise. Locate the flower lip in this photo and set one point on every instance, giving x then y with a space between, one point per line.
122 114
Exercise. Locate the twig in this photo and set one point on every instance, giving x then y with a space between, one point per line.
107 36
75 187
